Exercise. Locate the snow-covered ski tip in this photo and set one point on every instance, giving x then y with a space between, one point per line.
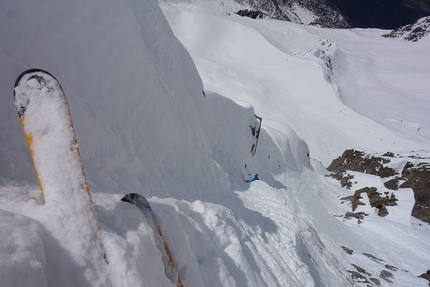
169 265
48 128
33 85
45 118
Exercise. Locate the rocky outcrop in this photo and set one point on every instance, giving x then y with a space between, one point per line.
359 161
254 14
338 13
362 276
415 174
357 215
418 178
324 14
376 200
426 276
412 32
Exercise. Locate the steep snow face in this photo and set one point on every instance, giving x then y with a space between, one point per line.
315 80
138 84
136 98
337 89
144 124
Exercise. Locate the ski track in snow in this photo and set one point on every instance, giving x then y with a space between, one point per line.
179 128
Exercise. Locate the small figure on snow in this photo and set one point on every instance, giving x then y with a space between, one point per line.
253 179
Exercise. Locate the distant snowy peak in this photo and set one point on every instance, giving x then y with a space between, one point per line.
308 12
412 32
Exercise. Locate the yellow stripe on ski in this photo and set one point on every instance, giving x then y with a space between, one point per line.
142 203
29 140
169 255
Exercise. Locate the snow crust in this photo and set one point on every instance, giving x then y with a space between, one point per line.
176 125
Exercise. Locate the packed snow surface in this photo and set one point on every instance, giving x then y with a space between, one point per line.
183 111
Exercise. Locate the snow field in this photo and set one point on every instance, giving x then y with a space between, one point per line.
336 91
147 129
146 123
281 70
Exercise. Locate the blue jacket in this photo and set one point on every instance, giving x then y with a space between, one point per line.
253 179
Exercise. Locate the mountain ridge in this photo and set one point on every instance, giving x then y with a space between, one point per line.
387 14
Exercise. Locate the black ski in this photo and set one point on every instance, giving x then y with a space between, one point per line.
144 206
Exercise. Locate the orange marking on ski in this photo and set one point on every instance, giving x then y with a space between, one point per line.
29 140
169 255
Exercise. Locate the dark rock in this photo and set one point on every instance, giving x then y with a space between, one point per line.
374 258
358 161
356 275
375 200
346 181
326 15
412 32
347 250
254 14
392 184
361 270
418 178
391 201
391 267
355 201
408 165
375 281
426 275
342 163
389 154
383 211
386 275
357 215
413 176
344 178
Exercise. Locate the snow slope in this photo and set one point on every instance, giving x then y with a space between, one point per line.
146 123
365 99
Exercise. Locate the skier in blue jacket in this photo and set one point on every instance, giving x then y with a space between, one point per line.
254 178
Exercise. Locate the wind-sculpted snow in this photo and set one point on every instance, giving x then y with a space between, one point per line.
336 90
283 71
147 123
144 125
